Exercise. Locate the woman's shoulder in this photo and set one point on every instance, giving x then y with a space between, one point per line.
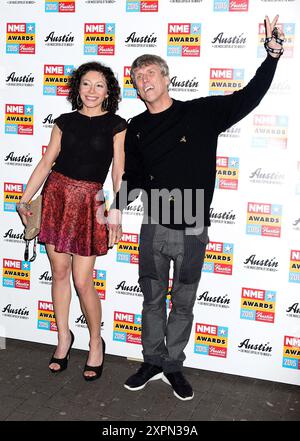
64 118
116 118
118 123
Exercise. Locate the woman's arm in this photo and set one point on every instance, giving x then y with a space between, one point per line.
118 160
40 172
114 216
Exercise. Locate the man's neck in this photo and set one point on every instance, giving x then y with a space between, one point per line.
161 106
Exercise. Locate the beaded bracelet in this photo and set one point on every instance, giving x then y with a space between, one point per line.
273 50
278 40
19 205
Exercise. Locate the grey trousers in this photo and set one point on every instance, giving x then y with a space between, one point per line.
163 339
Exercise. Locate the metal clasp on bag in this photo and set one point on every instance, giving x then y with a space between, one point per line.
26 253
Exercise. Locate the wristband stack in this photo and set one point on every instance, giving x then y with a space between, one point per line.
278 40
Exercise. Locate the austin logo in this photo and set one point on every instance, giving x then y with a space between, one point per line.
16 79
246 346
230 41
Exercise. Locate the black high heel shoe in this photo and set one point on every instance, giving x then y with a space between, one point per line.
96 369
63 362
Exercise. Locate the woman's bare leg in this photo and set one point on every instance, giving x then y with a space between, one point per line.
82 268
61 297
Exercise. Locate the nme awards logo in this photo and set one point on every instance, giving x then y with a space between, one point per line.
99 39
294 275
264 219
169 295
46 317
56 79
128 89
106 199
16 274
127 327
12 194
19 119
225 81
211 340
291 352
258 305
60 5
227 176
142 5
289 31
20 38
184 39
128 248
270 131
218 258
99 277
231 5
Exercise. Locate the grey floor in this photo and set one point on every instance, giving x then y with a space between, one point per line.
29 392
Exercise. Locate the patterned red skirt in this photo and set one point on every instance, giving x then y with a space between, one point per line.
73 216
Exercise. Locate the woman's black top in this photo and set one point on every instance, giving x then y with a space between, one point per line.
87 145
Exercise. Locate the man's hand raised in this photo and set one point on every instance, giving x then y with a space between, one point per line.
114 223
274 37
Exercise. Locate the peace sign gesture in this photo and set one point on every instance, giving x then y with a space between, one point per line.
274 38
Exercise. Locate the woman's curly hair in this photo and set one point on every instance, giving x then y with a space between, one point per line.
113 88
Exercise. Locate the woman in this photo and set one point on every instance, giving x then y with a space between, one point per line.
83 144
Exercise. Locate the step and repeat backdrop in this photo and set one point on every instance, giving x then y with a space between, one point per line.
247 311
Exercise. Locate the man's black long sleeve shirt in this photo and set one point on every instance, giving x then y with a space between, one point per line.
176 148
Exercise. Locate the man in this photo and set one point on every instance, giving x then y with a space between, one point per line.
172 146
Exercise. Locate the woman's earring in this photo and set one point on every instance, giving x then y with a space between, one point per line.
79 101
105 104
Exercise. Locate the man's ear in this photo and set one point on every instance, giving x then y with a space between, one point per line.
168 82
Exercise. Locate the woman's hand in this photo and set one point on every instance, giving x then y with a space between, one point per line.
23 209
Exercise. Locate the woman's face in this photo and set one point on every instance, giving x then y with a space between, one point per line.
93 89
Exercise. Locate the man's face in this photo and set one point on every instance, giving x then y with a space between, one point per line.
151 84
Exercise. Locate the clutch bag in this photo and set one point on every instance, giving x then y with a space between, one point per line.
33 226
